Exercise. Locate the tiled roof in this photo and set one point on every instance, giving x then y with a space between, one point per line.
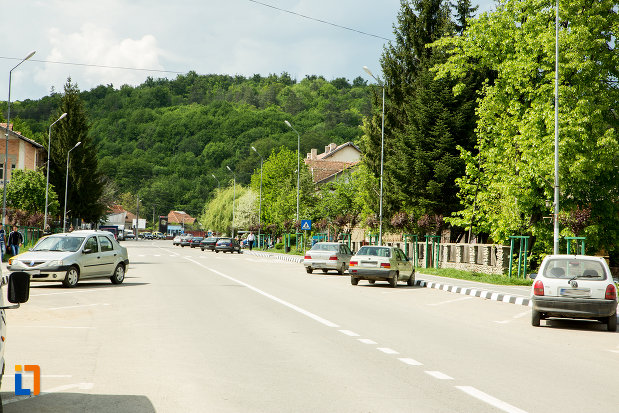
20 136
323 169
178 217
337 148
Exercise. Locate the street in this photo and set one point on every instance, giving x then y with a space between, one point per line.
194 331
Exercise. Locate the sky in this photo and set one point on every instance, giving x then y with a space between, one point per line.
234 37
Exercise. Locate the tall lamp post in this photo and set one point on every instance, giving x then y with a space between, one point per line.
214 177
298 163
66 189
6 147
49 149
556 188
260 202
233 196
382 146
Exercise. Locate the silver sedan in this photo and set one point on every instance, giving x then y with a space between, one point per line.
381 263
327 256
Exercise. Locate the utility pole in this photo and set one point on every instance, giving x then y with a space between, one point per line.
137 219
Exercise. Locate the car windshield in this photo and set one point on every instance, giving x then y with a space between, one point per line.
377 251
569 268
325 247
224 240
59 243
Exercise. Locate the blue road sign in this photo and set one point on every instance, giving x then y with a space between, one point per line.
306 224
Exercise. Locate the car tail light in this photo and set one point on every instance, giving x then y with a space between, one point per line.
307 257
385 265
352 264
333 258
611 292
538 288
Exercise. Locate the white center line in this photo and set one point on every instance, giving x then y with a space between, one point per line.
453 301
349 333
75 306
493 401
367 341
55 327
439 375
72 292
387 350
520 315
410 362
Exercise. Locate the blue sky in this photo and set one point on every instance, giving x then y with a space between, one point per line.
207 36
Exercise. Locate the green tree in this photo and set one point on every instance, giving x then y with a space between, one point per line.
509 177
217 213
26 191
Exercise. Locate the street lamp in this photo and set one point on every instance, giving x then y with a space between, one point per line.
216 180
233 196
6 147
556 188
382 145
298 162
49 148
260 203
66 189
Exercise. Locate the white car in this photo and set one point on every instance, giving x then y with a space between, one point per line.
327 256
574 286
74 256
381 263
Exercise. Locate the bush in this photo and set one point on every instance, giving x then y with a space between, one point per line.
279 246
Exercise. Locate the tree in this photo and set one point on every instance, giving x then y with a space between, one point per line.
85 180
508 186
217 213
26 191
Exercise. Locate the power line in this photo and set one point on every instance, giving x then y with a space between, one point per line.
93 65
319 20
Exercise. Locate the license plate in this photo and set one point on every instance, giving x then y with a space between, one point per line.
368 264
575 292
318 265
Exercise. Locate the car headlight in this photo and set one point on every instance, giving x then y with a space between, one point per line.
55 263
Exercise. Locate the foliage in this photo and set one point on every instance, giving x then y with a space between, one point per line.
26 191
509 175
497 279
217 213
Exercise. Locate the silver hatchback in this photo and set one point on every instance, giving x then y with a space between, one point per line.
327 256
71 257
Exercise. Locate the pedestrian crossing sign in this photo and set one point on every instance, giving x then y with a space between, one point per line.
306 224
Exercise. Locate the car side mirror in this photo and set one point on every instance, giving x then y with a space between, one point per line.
19 287
86 251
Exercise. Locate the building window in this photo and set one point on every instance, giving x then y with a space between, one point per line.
1 171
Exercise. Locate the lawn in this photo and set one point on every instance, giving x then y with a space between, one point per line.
475 276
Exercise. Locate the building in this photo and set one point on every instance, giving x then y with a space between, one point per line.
24 153
177 221
335 160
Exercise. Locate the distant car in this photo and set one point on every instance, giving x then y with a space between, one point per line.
227 245
129 235
176 240
381 263
72 257
574 286
195 241
327 256
185 240
208 243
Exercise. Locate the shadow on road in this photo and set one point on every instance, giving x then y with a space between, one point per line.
85 285
567 324
78 402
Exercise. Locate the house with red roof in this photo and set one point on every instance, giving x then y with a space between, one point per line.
333 162
23 153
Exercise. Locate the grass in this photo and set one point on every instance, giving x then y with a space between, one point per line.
475 276
293 250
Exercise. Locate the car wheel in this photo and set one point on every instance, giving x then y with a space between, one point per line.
325 271
71 278
372 281
411 280
354 281
393 281
341 270
535 318
309 270
611 323
201 249
217 251
119 274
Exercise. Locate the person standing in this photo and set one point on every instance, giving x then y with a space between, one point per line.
15 240
250 240
2 244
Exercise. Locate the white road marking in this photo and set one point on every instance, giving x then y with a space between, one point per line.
387 350
493 401
367 341
45 376
71 292
349 333
272 297
519 315
452 301
55 327
410 362
439 375
79 386
75 306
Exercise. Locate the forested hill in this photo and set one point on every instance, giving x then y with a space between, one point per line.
164 138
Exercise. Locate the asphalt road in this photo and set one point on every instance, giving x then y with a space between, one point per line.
193 331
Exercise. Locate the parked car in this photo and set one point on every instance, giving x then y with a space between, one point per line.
381 263
71 257
185 240
129 235
195 241
574 286
208 243
327 256
176 240
227 245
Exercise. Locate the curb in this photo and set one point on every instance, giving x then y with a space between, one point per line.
475 292
290 258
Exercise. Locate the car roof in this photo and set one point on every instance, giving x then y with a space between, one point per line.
328 243
575 257
82 233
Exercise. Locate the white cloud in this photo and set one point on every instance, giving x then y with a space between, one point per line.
94 45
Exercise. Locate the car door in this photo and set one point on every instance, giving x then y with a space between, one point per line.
90 259
109 256
405 266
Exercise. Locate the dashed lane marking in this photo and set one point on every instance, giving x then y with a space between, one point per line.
493 401
410 362
74 306
349 333
387 350
367 341
439 375
452 301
